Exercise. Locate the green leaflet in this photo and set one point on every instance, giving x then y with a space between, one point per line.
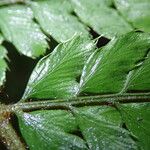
18 27
108 70
101 129
56 129
136 117
50 129
103 19
136 12
139 79
55 19
3 65
55 75
62 5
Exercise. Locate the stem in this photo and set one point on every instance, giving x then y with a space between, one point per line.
9 137
7 134
83 101
12 140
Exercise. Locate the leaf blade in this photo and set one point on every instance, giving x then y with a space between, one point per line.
107 71
139 79
17 26
100 127
51 129
56 20
136 12
55 75
103 19
136 117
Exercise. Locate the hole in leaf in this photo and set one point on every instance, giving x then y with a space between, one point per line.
79 134
94 94
74 14
78 78
132 136
102 41
139 91
52 44
139 31
124 126
113 6
93 33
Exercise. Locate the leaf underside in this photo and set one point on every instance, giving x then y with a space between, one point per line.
76 67
18 27
117 68
56 128
136 117
55 75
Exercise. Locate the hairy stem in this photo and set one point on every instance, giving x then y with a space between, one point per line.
12 141
7 134
82 101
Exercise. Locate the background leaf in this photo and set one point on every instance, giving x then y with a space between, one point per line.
103 19
56 19
136 12
18 27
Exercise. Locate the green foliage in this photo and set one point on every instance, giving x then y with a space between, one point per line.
55 75
79 96
99 16
136 117
3 64
53 130
60 27
136 12
113 64
57 19
101 131
108 70
99 125
17 26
